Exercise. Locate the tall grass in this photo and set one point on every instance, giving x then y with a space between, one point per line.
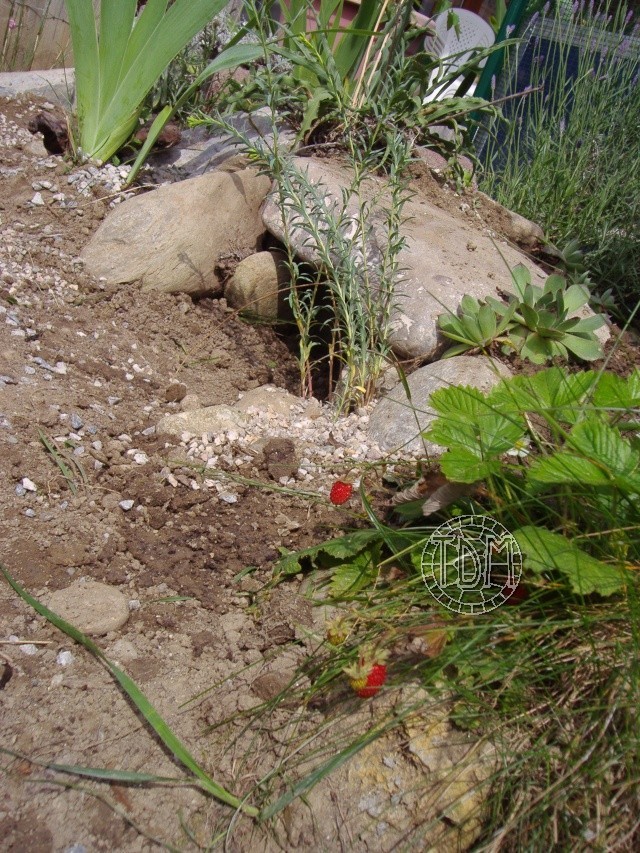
570 158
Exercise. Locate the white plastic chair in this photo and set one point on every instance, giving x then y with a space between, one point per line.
475 34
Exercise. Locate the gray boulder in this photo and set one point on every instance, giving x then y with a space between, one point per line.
443 259
396 422
201 150
173 238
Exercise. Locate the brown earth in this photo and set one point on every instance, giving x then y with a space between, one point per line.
122 354
91 370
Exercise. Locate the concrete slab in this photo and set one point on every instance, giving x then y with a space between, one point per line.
56 85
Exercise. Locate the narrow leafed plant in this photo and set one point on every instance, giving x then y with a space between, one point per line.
119 57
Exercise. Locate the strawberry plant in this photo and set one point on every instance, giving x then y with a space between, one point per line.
572 503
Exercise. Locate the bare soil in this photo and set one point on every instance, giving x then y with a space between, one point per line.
122 353
91 370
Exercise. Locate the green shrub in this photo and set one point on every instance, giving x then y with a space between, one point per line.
120 56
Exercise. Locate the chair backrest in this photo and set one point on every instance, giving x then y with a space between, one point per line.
475 34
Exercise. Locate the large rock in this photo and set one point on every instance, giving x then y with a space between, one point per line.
259 284
442 260
173 238
396 422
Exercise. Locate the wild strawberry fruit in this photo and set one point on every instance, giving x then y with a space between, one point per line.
367 676
340 492
519 594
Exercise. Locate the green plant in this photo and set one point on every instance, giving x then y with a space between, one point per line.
539 323
475 326
120 58
572 502
346 304
342 77
545 324
569 158
560 659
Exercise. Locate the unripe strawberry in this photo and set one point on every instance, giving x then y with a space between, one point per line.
338 630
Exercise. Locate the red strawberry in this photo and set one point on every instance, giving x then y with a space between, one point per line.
519 594
367 676
340 492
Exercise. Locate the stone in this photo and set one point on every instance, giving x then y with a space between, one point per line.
268 398
396 423
175 393
419 785
443 258
57 84
280 458
172 238
201 151
91 607
211 419
259 285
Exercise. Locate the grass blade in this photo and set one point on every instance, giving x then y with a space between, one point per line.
106 775
166 735
303 786
67 473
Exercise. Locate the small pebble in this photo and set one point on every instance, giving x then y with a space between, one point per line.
64 658
126 505
29 485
